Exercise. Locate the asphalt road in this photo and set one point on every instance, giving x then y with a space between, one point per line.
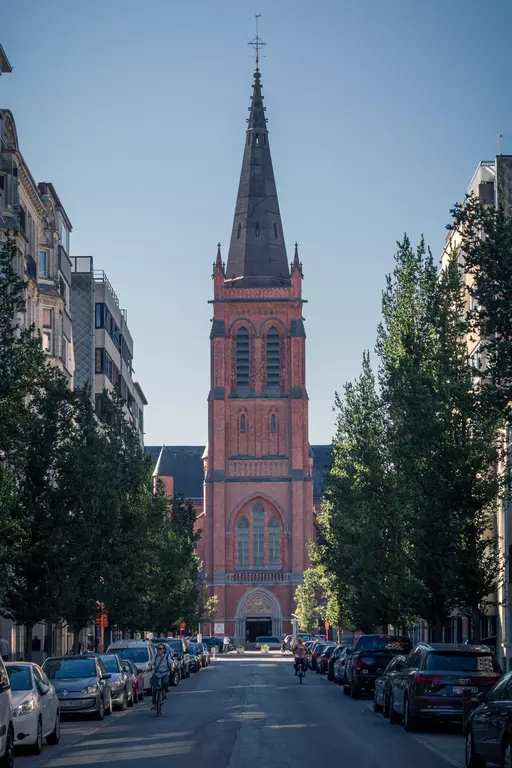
249 712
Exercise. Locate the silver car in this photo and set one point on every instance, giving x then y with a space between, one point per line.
82 684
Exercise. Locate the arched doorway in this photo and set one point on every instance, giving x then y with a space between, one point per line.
258 613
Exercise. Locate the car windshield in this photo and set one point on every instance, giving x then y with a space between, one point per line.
20 678
383 643
134 654
174 643
110 663
330 650
462 662
64 669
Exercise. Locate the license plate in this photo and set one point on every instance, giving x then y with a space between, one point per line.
67 704
459 690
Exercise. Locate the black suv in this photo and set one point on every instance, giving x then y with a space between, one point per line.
181 653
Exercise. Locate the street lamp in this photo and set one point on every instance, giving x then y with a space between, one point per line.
295 626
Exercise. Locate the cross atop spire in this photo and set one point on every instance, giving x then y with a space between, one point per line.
257 42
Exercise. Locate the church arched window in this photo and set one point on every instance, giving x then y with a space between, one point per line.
242 358
273 359
273 423
274 542
242 534
258 534
242 423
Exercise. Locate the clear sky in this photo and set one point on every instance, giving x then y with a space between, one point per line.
379 111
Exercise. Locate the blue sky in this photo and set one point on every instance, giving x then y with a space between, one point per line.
379 111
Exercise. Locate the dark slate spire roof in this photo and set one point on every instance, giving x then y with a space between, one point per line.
257 252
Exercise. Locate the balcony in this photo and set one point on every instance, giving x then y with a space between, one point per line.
259 577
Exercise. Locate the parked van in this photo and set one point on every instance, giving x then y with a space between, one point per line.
141 652
6 721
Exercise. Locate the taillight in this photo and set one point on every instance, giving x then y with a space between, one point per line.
358 664
428 682
315 655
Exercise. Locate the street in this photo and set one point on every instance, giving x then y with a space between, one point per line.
249 712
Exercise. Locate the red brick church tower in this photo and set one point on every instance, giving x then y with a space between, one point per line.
258 494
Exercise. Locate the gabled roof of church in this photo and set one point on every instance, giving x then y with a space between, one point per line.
257 252
185 464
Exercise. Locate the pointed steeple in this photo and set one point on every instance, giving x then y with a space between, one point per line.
257 252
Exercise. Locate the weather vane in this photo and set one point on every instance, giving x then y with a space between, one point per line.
257 42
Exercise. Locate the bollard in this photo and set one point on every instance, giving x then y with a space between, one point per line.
214 651
467 707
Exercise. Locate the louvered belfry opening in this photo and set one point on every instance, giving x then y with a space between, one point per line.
242 358
273 359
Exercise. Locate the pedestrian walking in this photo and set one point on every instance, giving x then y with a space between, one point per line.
225 644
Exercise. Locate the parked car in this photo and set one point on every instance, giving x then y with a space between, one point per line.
432 682
120 680
204 654
141 652
181 654
175 672
332 658
489 728
274 643
213 642
6 719
35 706
137 679
382 693
194 658
368 658
316 651
339 665
82 684
323 659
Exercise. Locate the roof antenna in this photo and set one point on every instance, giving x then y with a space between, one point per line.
257 42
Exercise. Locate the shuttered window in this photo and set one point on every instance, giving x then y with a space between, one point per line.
274 542
242 358
242 531
273 359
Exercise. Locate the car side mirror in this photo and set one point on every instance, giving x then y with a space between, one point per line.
44 689
482 697
106 677
379 672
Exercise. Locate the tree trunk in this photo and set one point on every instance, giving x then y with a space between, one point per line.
27 650
437 631
475 626
76 641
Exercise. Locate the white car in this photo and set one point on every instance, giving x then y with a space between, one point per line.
6 720
35 706
141 652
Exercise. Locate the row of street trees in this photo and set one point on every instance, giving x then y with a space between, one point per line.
80 521
407 528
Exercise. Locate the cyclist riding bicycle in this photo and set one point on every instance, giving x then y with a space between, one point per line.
299 652
161 666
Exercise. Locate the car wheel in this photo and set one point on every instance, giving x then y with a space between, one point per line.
54 736
37 746
376 706
394 717
473 759
507 756
131 699
124 703
187 673
7 761
108 708
141 695
346 687
355 691
175 678
411 723
100 713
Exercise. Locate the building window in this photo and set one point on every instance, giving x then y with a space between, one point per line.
275 230
64 353
258 534
273 359
242 423
242 531
100 353
242 358
99 314
257 229
48 330
64 236
43 263
274 542
273 423
238 231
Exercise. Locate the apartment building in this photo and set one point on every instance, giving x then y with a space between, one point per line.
492 181
35 216
103 342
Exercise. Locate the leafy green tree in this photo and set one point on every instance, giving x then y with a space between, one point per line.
307 601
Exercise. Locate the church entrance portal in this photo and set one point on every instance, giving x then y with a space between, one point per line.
257 627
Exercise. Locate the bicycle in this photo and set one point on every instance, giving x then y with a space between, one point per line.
159 698
301 672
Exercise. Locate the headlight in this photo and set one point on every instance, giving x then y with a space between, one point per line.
90 690
116 683
24 708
